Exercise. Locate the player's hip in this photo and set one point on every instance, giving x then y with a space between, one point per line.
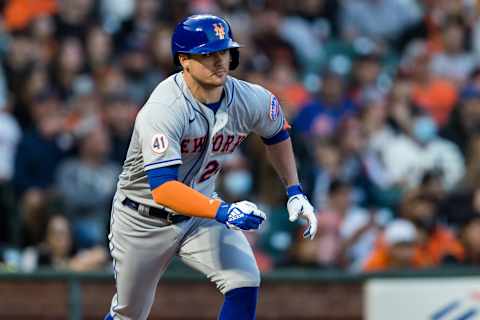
131 217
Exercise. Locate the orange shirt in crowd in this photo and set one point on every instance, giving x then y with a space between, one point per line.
442 243
292 97
438 97
379 260
19 13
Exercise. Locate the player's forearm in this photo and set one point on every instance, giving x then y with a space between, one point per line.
185 200
283 161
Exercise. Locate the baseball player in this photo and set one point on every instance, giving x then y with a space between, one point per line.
164 204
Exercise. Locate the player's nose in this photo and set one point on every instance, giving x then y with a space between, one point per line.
217 57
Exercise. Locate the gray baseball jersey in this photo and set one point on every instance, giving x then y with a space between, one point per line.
175 129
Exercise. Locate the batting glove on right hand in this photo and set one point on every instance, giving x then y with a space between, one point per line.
299 206
243 215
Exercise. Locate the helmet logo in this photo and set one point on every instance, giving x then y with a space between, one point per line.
219 31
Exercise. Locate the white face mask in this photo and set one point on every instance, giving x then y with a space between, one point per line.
424 129
238 182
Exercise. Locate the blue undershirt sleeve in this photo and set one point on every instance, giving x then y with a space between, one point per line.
158 176
279 137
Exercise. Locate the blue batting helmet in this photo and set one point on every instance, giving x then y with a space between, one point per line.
203 34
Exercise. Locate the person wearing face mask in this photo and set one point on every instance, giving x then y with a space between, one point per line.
436 152
236 180
237 183
409 156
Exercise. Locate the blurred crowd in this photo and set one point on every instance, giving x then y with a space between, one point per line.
383 97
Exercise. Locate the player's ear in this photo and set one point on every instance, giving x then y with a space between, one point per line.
184 61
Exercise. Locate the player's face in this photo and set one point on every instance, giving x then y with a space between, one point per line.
209 69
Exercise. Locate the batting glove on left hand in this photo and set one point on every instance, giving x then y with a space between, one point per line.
299 206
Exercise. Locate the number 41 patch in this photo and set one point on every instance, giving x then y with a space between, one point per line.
159 143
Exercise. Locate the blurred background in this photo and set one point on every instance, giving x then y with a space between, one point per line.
384 101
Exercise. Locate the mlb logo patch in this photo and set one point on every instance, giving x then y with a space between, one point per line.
274 108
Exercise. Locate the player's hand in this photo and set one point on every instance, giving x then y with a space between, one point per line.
298 206
242 215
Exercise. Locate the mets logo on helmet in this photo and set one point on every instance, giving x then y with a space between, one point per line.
219 30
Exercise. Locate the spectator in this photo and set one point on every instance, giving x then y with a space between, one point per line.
454 63
137 65
69 67
113 81
353 147
436 241
409 157
83 110
119 115
459 206
139 27
42 142
236 182
99 50
400 106
291 93
429 92
438 14
439 153
161 54
58 251
471 179
321 116
365 72
87 184
464 122
19 57
379 20
359 232
33 179
307 31
42 30
18 13
324 250
470 239
326 169
399 250
36 82
72 17
373 117
376 182
432 185
114 13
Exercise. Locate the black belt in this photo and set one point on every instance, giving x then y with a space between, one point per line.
157 212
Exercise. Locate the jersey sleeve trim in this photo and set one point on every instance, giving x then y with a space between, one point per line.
282 135
163 163
280 128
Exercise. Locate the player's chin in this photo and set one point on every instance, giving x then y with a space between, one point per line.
218 78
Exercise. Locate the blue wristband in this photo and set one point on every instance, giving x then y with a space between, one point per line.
222 212
293 190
